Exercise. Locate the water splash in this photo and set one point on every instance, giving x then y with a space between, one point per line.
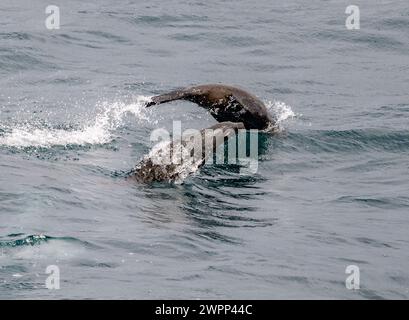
281 111
99 131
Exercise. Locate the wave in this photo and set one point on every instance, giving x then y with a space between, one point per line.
21 240
100 131
40 246
30 240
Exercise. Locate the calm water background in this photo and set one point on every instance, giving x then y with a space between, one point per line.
331 189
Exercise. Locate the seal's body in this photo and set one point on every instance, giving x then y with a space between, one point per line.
172 161
225 103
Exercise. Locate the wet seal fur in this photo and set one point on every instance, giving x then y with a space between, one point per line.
225 103
157 167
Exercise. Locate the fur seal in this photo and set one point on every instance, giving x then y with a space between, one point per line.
225 103
160 165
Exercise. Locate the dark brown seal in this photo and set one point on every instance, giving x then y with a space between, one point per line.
225 103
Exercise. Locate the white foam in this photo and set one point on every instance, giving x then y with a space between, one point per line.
100 131
281 111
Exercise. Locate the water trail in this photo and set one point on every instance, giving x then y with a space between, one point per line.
99 131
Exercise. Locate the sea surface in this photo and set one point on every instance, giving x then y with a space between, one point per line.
331 189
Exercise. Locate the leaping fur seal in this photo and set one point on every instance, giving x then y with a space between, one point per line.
172 161
225 103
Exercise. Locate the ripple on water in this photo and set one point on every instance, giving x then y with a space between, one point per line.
14 60
381 202
331 141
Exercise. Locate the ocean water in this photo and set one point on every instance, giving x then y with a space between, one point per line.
331 188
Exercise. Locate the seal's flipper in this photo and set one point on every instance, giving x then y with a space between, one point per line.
167 97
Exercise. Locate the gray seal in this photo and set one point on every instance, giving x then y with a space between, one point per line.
159 164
